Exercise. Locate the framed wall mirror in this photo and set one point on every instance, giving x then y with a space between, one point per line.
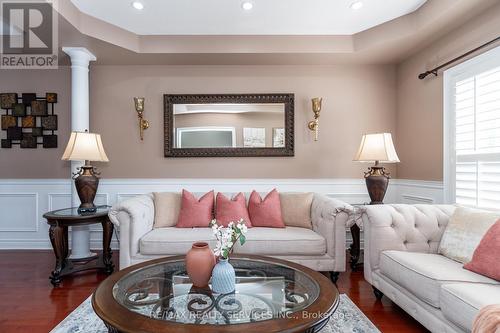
233 125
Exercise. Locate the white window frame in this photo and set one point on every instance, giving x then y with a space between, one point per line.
481 63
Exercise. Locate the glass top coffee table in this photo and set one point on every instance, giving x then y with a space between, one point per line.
271 295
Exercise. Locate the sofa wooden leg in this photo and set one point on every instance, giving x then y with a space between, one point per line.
378 294
334 276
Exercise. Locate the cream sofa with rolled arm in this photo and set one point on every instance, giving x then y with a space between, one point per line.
322 249
401 261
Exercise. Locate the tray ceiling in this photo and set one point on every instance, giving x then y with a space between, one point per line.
227 17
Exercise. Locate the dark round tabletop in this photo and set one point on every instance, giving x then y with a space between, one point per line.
271 295
72 213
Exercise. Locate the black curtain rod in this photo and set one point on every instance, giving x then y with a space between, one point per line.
434 71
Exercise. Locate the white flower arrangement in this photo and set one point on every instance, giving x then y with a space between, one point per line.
228 236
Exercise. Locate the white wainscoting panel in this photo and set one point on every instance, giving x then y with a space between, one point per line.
419 192
24 201
19 212
59 201
22 204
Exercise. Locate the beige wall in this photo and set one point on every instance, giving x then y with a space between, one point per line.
356 99
419 117
38 163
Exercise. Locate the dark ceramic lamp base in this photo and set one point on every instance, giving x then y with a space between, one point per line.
377 180
86 183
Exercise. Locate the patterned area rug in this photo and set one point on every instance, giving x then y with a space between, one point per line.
347 319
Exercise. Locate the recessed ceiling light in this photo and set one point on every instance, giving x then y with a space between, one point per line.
247 5
356 5
138 5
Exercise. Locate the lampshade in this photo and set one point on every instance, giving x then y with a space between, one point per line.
83 146
377 147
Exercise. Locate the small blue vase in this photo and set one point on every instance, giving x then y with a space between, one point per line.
223 277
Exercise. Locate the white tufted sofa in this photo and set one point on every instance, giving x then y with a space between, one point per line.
401 261
322 249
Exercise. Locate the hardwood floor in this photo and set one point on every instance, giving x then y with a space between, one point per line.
30 304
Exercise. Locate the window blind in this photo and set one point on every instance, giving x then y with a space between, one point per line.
477 140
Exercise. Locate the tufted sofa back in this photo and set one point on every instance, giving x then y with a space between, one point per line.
415 228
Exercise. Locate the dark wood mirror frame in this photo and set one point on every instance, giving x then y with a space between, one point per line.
169 101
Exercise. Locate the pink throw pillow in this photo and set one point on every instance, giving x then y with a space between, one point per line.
194 212
267 212
231 210
485 258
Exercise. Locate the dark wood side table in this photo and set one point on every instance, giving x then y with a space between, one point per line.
355 248
59 221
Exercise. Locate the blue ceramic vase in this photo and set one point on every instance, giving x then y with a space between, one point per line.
223 277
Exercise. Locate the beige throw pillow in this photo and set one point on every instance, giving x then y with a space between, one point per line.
167 208
464 232
296 209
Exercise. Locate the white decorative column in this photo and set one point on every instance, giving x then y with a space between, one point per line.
80 60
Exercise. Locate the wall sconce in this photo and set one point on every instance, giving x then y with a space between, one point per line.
314 124
143 123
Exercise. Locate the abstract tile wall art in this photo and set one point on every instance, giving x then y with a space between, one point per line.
8 100
28 121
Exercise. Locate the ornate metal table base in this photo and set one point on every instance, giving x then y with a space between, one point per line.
314 329
204 301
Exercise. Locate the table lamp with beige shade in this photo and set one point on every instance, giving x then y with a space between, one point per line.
377 148
84 146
